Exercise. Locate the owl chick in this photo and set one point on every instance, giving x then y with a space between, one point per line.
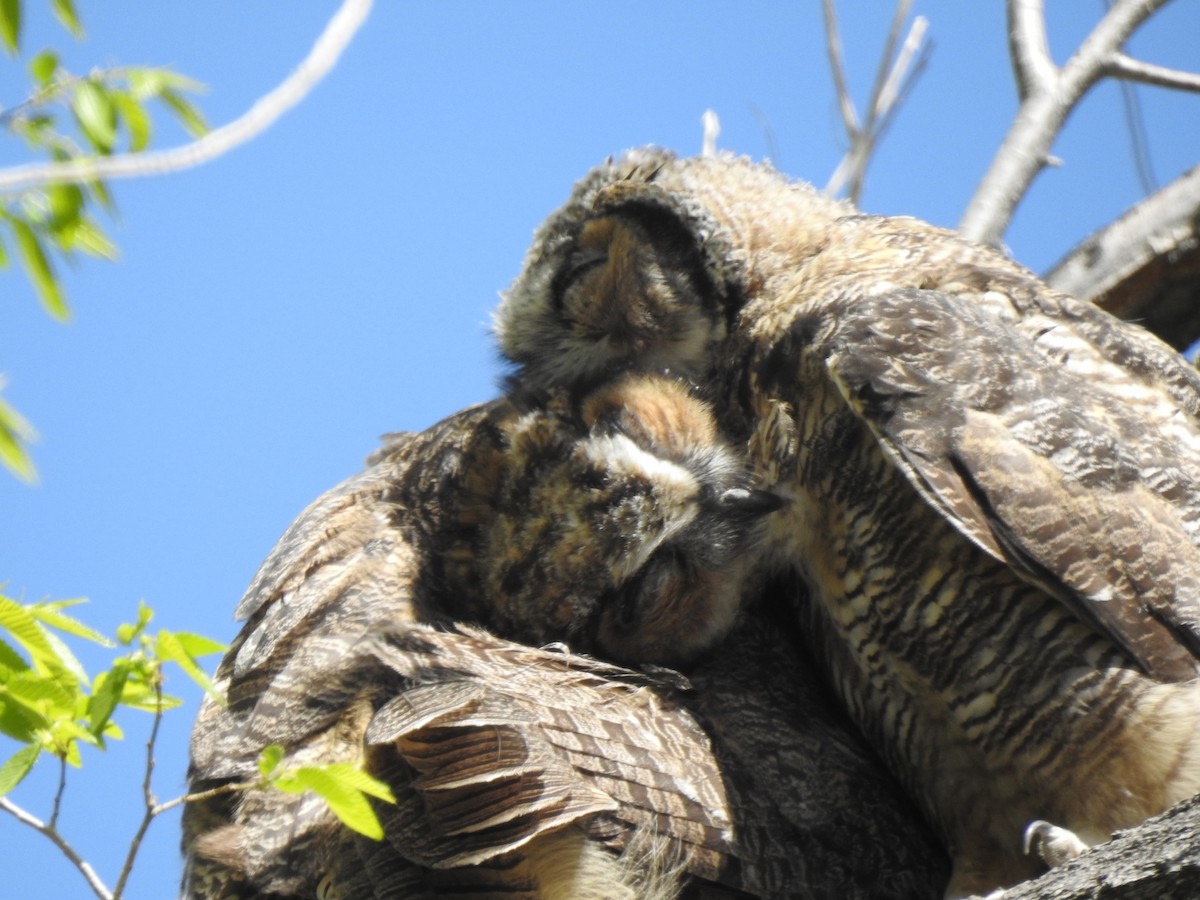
607 521
994 489
621 526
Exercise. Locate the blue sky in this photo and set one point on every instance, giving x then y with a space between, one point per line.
275 311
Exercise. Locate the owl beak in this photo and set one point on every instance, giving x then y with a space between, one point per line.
749 503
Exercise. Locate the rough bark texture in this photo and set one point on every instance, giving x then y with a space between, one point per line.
1158 860
1145 266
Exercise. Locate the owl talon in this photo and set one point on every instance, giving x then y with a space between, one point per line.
1054 845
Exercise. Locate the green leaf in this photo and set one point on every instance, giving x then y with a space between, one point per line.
187 113
16 767
10 24
196 645
53 696
28 633
15 433
96 114
43 66
66 200
144 699
269 759
348 803
145 84
38 267
65 11
51 613
170 648
64 660
355 778
137 122
88 237
10 660
106 694
126 633
20 722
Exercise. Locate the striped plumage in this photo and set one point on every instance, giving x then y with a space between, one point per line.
992 486
524 771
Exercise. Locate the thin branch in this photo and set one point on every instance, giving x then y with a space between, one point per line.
324 54
151 805
93 880
1026 149
893 79
58 794
885 72
206 795
711 126
1033 68
833 46
1128 69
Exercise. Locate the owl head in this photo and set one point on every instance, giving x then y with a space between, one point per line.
620 523
648 264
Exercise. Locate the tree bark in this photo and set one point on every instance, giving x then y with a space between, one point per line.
1158 860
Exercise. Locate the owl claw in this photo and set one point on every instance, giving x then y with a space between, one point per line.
1054 845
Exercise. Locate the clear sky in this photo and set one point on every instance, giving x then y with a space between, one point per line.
275 311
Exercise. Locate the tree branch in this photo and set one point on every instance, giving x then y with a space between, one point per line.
1145 265
93 880
1157 860
1128 69
151 805
1033 68
892 80
1026 149
324 54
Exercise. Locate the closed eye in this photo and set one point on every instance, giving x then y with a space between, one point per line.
581 261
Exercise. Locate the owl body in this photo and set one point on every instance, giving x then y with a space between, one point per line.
522 771
992 489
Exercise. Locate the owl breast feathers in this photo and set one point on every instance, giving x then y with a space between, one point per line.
991 487
618 520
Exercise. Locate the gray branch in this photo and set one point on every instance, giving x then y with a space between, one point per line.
1145 266
1044 109
324 54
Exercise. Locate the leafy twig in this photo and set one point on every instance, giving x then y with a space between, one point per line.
324 54
148 799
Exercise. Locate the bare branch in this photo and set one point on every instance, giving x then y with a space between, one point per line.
1146 264
885 72
893 78
324 54
833 46
712 130
1033 68
1026 148
209 794
58 794
93 880
151 805
1128 69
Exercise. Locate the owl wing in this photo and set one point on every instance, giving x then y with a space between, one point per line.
1061 441
489 746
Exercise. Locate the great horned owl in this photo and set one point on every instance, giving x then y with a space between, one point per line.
535 772
993 487
621 527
